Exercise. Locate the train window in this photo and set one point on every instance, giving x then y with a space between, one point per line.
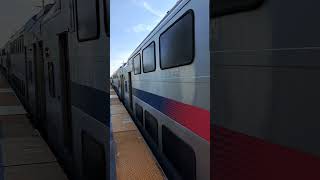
177 42
137 64
14 47
30 71
149 58
179 153
107 16
93 158
23 88
151 125
51 79
224 7
87 20
139 114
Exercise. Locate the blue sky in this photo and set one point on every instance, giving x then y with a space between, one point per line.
131 22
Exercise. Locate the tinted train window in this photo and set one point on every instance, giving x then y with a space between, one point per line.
180 154
137 64
139 113
151 126
87 20
224 7
149 58
30 71
51 79
23 88
107 16
177 43
94 159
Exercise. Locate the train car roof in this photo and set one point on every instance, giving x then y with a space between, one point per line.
179 4
31 22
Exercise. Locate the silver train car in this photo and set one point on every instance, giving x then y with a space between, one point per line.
165 85
58 65
265 94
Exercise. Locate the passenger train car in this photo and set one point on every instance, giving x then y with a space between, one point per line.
58 65
265 62
165 85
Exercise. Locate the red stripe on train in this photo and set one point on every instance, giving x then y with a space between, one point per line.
193 118
237 156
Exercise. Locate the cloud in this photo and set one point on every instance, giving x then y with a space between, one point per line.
149 8
117 59
153 11
142 28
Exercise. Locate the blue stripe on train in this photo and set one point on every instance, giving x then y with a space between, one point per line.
92 101
157 102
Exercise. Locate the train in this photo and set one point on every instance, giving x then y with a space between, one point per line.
165 86
265 90
58 65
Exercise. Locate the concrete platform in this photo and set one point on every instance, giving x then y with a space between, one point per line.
134 159
24 155
25 150
45 171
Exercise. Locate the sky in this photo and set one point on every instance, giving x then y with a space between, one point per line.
131 22
14 14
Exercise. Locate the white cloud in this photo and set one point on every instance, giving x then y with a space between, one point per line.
160 14
117 59
142 28
153 11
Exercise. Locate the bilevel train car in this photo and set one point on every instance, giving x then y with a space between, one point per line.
58 64
266 91
165 85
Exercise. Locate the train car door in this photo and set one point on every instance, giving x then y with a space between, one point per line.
40 90
65 90
26 75
8 66
130 90
35 90
122 87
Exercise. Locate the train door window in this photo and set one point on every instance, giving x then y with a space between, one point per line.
151 125
87 20
224 7
137 64
14 47
51 79
23 89
177 42
126 86
93 158
19 45
179 153
30 71
107 16
139 113
149 58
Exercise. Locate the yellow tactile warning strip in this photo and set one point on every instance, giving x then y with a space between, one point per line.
24 154
134 159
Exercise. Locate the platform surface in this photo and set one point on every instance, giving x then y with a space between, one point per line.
134 159
24 155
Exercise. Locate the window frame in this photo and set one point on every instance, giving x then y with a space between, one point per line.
51 79
106 4
193 39
97 36
134 69
154 55
246 6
